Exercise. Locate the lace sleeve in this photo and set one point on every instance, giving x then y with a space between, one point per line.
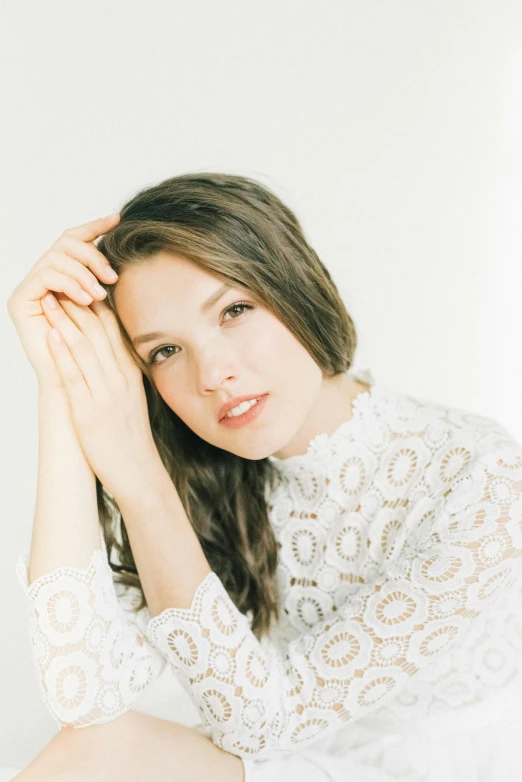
258 697
89 649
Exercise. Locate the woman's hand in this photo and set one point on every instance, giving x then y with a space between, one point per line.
104 387
70 266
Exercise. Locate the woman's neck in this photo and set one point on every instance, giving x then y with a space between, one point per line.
333 406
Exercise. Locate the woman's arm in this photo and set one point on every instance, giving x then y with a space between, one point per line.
91 654
110 416
66 527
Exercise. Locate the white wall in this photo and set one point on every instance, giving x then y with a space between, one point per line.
392 128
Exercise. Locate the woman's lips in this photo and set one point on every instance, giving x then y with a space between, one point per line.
237 421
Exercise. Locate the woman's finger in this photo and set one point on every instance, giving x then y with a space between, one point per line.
72 379
122 352
91 326
89 256
66 264
87 232
49 279
79 347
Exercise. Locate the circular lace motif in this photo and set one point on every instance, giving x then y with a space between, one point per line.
223 666
349 545
401 467
302 543
328 512
353 475
253 713
184 646
491 582
442 567
328 578
448 604
223 617
386 535
67 611
389 651
329 693
395 609
108 699
471 524
374 687
491 550
71 683
437 435
341 649
501 490
307 731
95 635
308 606
217 705
437 637
255 671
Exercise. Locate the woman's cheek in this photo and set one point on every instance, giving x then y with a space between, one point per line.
170 395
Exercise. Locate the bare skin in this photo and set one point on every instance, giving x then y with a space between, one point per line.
132 748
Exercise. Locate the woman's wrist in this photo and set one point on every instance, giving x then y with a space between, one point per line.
51 392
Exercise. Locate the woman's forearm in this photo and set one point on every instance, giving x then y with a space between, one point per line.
66 527
167 552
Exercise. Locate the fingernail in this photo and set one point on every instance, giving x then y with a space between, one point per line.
51 301
83 296
112 274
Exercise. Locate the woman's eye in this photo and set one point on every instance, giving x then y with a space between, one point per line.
242 306
153 357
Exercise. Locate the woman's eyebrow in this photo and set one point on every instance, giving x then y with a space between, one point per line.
205 307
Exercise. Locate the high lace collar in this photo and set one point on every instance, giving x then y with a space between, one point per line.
323 447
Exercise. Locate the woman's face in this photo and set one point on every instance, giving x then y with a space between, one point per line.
204 357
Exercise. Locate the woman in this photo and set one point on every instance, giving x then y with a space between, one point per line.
331 568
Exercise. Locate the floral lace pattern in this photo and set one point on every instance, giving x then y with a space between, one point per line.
400 574
400 550
90 652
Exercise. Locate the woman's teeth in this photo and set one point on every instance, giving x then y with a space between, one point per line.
240 409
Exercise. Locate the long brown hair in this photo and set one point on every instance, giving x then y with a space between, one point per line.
240 232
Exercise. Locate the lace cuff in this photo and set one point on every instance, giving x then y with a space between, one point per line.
236 682
90 653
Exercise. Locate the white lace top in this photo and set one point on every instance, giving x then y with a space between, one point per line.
400 577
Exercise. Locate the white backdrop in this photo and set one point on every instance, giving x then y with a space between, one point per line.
394 130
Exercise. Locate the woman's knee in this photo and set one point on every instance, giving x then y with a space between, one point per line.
73 753
134 746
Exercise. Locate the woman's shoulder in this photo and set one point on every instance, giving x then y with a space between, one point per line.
400 446
433 448
437 422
